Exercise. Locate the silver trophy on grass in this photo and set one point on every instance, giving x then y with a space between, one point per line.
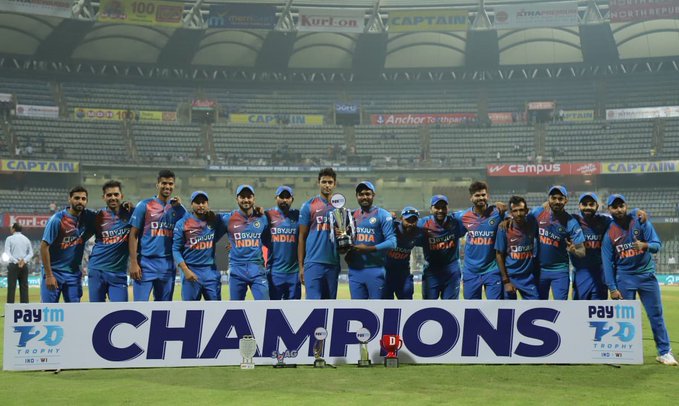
247 347
341 224
320 334
363 336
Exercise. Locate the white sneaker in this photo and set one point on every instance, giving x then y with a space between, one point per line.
667 359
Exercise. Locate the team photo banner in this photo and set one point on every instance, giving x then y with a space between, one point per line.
174 334
34 165
642 112
277 119
27 110
54 8
536 15
147 12
635 10
622 168
242 16
331 20
420 118
560 169
428 20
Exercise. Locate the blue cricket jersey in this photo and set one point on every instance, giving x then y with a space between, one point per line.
519 245
440 242
194 241
283 244
619 255
247 235
320 248
593 231
111 231
398 259
66 236
552 235
374 228
479 250
155 221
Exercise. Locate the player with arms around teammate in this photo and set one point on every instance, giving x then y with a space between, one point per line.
399 280
629 268
559 234
62 248
248 231
441 234
283 263
480 268
515 252
107 269
319 265
193 250
153 224
374 235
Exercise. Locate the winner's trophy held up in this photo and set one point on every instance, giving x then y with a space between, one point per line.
341 224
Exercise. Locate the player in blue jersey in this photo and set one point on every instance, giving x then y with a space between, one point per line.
194 247
151 235
373 237
248 232
283 263
627 254
399 280
559 235
317 253
107 268
515 248
480 268
62 248
440 245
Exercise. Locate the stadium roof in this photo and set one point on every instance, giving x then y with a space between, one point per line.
82 38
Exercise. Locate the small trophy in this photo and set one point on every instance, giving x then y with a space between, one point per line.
363 335
279 358
320 334
247 347
391 344
341 224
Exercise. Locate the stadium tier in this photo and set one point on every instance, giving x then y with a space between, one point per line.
28 91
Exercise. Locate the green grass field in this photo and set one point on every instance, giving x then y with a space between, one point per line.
649 384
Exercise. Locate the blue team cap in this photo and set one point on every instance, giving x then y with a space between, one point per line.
589 194
558 188
198 193
244 187
282 189
438 198
365 184
409 211
615 196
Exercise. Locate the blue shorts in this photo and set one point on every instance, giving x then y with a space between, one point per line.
367 283
101 284
284 286
208 286
559 283
441 281
474 283
588 284
157 275
526 285
69 284
399 283
320 280
242 276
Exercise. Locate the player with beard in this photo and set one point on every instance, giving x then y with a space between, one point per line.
627 254
194 247
441 234
399 280
107 268
374 235
283 262
559 234
62 248
153 224
248 232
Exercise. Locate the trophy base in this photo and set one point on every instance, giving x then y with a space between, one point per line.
285 366
319 363
391 362
247 366
364 363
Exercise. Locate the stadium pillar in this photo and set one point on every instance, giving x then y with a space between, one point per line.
275 53
370 55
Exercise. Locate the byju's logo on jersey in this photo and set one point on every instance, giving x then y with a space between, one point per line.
613 330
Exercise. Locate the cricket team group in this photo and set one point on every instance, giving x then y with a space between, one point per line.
510 249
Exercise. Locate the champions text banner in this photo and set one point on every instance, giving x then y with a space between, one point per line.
172 334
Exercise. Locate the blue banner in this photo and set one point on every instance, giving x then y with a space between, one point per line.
242 16
346 108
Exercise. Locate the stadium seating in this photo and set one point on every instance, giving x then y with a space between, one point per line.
124 96
166 142
28 91
34 200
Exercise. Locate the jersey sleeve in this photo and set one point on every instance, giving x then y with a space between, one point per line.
608 260
138 216
575 232
51 230
501 240
651 237
305 214
178 242
387 231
